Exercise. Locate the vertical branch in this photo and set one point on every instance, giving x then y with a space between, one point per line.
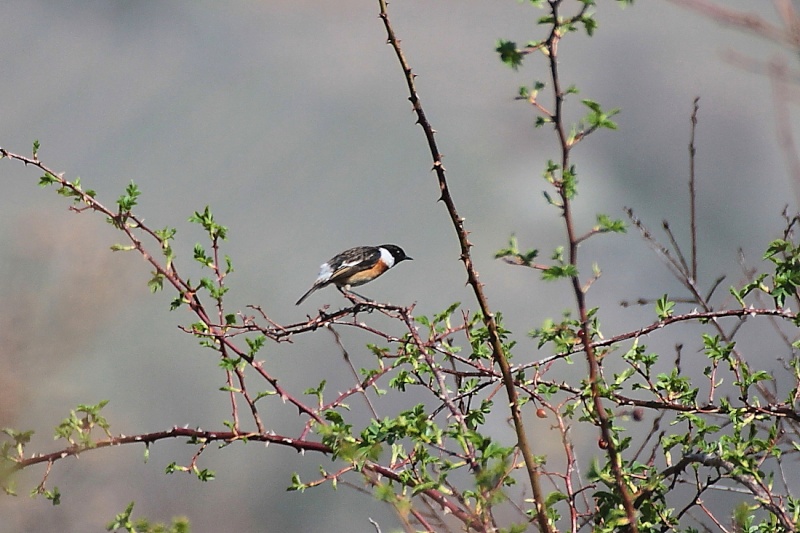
693 191
472 279
604 422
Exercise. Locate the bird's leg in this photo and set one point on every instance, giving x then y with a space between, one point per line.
349 294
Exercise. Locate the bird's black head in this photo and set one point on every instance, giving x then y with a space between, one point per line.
396 251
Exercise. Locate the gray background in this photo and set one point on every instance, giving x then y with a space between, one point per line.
291 120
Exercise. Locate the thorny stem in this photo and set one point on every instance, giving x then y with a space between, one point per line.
498 354
220 275
580 297
203 437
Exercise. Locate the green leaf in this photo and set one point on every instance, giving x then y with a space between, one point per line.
559 272
511 249
597 118
509 54
606 224
166 234
156 283
201 257
664 307
127 201
206 219
523 258
205 474
589 24
445 315
122 520
297 484
48 179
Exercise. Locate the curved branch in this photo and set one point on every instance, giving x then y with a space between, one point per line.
204 437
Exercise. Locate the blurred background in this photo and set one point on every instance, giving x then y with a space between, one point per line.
291 120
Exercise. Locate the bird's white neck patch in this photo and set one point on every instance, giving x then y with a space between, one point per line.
387 257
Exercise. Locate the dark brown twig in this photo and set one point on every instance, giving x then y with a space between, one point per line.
693 190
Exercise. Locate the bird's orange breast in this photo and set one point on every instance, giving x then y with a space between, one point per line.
369 274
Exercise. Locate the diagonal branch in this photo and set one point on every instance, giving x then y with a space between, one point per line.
472 277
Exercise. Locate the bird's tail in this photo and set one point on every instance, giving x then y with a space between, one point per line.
306 295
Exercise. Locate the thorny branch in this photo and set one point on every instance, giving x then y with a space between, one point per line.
556 117
498 354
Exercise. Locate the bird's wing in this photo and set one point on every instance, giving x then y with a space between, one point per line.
353 261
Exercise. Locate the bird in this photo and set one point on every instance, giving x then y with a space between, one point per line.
356 266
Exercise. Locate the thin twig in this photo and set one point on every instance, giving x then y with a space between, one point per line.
693 190
356 377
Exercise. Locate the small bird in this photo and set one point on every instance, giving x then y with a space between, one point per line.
356 266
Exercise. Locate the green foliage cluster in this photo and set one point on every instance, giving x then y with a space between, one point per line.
124 522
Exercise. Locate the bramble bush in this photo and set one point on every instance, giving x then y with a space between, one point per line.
438 463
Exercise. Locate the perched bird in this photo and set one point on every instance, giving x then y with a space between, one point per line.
356 266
